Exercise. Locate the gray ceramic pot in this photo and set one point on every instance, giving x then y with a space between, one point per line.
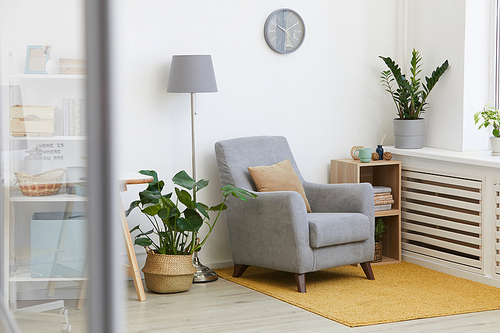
409 134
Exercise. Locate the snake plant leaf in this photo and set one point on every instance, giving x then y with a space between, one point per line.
185 198
151 209
143 242
133 205
202 208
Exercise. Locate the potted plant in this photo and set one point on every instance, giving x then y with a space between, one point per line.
490 117
380 228
409 96
176 222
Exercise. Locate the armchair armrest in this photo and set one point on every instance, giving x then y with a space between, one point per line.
270 231
346 198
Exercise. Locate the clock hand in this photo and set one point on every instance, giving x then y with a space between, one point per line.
292 26
281 28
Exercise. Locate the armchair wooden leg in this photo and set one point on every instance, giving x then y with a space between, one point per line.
239 270
300 279
367 268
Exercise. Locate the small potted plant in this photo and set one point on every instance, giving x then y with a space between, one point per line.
176 222
490 116
380 228
410 99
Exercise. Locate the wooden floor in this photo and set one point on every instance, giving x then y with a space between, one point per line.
223 306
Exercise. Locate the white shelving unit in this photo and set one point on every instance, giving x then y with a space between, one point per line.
39 89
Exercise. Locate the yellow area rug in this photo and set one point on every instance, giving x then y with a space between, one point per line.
399 292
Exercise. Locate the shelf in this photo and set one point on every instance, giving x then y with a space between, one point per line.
50 138
392 212
47 76
377 173
17 196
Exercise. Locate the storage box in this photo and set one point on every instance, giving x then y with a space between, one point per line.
71 66
32 120
48 232
36 111
41 127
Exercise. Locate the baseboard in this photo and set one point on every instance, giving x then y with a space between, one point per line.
452 271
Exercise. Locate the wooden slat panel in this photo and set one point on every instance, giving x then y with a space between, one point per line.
498 234
497 211
442 189
441 222
441 201
442 233
497 258
441 212
441 255
497 199
440 243
497 269
476 184
448 263
497 246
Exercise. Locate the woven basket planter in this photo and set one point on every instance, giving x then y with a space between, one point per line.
165 273
378 251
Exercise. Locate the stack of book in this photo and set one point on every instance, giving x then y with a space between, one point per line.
383 198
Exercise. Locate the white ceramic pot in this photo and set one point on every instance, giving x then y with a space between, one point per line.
495 146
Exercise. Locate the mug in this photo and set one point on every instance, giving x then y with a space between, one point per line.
364 154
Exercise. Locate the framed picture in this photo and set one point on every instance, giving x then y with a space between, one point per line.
36 58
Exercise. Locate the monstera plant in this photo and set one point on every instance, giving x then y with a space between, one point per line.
177 219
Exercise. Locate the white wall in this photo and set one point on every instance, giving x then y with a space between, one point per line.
461 31
325 98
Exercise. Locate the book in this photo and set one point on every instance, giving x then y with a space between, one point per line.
382 207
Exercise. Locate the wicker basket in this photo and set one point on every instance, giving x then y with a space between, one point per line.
165 273
46 183
378 251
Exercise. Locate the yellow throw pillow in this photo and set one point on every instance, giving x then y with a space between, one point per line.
278 177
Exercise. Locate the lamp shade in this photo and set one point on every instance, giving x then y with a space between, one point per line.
191 74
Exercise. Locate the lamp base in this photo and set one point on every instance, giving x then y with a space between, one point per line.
203 273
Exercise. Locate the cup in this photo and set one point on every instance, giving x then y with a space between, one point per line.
364 154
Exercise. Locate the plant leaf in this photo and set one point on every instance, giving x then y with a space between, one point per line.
148 196
237 192
218 207
183 179
151 210
143 242
133 205
135 228
202 208
185 198
191 221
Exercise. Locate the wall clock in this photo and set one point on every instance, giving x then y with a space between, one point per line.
284 31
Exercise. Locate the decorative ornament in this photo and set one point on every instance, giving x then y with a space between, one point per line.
375 156
354 157
387 155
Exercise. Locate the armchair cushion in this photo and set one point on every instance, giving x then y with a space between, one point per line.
278 177
327 229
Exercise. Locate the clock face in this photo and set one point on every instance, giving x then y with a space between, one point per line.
284 31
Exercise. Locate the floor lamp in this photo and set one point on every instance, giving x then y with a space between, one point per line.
194 74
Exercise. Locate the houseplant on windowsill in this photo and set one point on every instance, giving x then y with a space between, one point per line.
176 222
380 228
410 97
490 117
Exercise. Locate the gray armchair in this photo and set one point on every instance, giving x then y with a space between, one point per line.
275 231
